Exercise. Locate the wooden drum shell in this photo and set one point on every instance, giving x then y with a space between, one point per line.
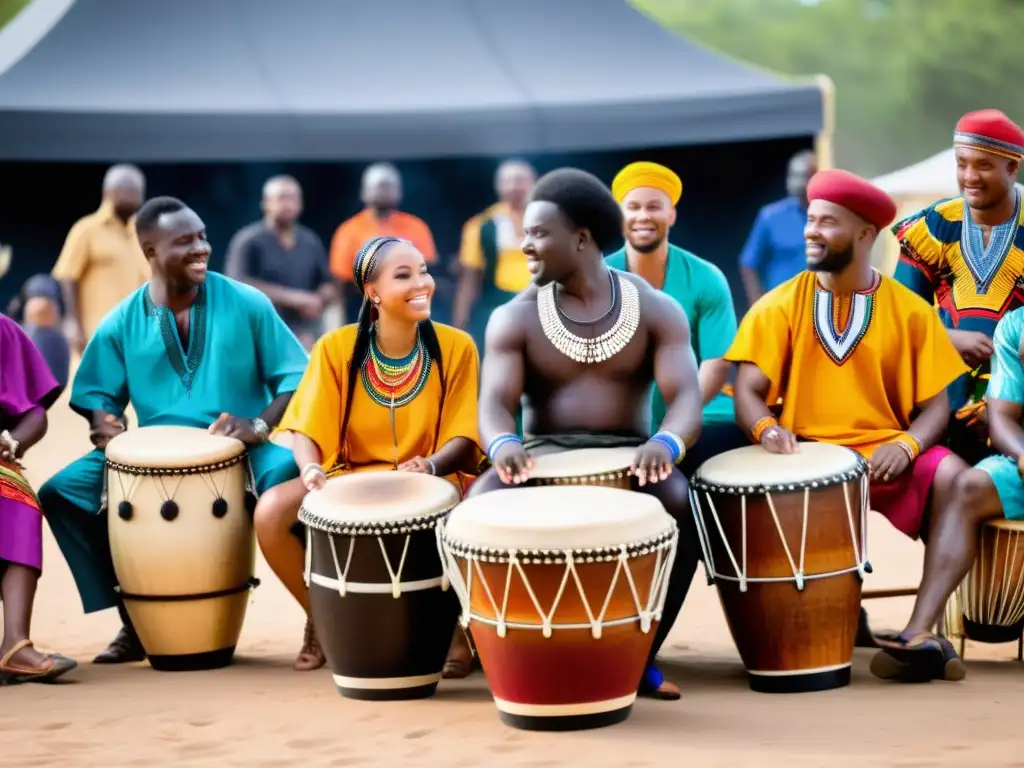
790 639
186 559
378 646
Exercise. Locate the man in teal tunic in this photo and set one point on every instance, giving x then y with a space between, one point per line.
648 194
189 349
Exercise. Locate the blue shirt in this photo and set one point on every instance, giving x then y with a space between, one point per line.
1007 382
240 356
775 248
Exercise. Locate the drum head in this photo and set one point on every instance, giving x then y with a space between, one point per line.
583 462
171 448
754 467
557 518
378 501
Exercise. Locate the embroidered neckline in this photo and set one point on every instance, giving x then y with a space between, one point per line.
840 345
984 262
184 364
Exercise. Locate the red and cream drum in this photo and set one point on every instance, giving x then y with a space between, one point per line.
785 540
381 604
182 541
561 588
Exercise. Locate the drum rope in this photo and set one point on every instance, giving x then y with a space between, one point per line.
853 533
210 481
702 535
798 575
740 574
342 575
308 556
163 488
1013 609
127 495
396 583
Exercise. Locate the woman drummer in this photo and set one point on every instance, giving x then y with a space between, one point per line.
395 391
27 389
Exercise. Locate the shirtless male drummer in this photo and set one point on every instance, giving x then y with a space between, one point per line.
536 349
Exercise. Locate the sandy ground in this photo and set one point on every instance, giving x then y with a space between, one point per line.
259 712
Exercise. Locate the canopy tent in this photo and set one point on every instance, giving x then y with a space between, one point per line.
315 80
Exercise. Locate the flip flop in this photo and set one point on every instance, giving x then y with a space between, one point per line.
54 667
916 658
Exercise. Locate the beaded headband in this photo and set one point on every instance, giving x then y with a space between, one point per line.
366 258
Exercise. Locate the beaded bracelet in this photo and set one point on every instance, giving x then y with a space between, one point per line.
500 441
761 426
910 444
311 468
676 447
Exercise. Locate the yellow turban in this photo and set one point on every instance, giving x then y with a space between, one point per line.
647 175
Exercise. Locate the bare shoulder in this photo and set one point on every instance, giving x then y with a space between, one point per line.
507 325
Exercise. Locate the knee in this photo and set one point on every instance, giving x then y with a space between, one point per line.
488 481
674 495
276 511
974 494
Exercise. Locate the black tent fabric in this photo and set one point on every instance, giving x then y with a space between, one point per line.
329 80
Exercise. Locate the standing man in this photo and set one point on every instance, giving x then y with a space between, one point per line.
285 260
190 349
774 251
381 195
491 255
967 254
101 262
648 194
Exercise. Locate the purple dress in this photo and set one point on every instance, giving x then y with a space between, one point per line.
26 383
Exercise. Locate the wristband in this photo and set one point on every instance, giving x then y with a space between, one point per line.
261 429
430 463
500 442
676 447
910 444
761 426
312 468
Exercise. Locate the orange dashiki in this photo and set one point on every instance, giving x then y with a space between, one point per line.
850 369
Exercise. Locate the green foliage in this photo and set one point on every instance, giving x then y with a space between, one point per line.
11 8
904 70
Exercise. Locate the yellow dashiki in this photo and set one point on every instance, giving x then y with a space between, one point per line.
944 260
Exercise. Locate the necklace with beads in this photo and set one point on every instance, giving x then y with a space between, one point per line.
394 382
600 348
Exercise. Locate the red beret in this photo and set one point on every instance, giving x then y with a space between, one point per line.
992 131
855 194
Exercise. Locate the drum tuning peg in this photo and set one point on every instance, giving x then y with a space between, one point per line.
867 568
169 510
220 508
124 510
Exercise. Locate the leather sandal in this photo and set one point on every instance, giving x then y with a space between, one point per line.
14 674
312 655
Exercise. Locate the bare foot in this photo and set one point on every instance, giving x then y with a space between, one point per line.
460 657
311 656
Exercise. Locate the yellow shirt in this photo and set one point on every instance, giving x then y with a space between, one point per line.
317 408
509 270
101 254
855 387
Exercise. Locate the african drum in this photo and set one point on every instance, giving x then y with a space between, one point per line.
988 606
181 538
785 539
585 466
381 605
562 588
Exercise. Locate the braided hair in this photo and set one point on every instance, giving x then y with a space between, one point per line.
366 267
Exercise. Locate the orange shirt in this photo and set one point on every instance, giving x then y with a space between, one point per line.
353 234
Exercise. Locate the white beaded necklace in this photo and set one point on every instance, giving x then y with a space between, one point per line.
605 346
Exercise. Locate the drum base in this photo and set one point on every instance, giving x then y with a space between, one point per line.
993 633
377 689
566 723
807 682
193 662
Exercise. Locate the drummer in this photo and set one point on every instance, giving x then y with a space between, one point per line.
188 348
648 194
992 489
570 221
394 391
853 354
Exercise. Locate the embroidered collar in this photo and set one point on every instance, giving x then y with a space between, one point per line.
184 364
985 261
840 345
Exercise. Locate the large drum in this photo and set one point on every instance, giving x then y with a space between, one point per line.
382 608
562 588
182 541
785 540
585 466
988 606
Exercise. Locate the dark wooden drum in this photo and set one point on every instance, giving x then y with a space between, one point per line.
381 604
785 540
562 589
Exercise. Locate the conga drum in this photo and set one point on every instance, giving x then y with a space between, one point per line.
182 542
607 467
381 605
562 588
785 541
988 606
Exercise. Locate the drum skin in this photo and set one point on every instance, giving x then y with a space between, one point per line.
570 680
577 467
378 646
194 554
791 641
990 601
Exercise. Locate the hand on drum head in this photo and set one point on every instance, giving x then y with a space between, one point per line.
888 462
513 464
652 463
104 429
778 439
232 426
418 464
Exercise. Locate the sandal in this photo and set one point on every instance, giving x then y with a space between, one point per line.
653 685
54 666
916 658
312 655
